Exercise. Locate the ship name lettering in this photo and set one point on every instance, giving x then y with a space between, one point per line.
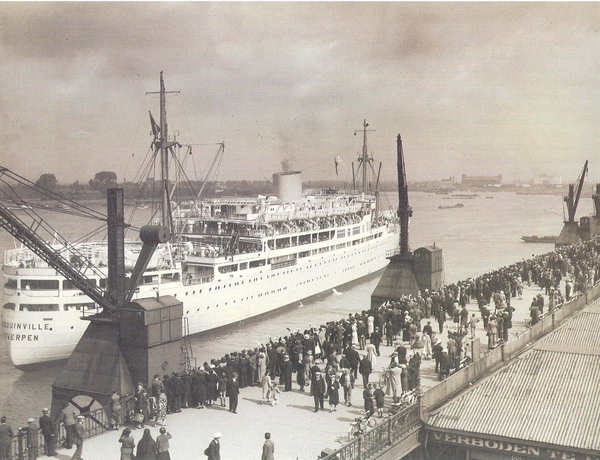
26 326
22 337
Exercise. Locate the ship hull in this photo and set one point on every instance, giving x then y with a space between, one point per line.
35 337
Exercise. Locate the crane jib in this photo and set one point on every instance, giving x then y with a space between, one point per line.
26 235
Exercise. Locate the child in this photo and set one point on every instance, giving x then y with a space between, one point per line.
379 396
275 393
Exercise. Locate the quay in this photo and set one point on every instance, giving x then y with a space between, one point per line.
298 433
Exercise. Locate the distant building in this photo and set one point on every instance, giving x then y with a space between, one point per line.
481 181
544 179
447 182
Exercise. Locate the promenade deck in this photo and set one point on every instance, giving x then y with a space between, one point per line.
297 431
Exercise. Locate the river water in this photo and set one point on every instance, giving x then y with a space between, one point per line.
483 235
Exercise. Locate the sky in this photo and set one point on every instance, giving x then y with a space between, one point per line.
476 88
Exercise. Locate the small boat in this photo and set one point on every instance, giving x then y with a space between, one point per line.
465 195
540 239
457 205
143 206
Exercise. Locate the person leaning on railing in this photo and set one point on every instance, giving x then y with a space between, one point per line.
6 435
48 429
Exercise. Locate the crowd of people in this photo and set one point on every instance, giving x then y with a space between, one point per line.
324 361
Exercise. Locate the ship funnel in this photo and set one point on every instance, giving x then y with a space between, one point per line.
288 185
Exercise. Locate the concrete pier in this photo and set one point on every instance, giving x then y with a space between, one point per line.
298 432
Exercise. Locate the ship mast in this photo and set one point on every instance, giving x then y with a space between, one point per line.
163 145
364 160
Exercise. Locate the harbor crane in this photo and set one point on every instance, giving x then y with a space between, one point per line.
408 273
571 232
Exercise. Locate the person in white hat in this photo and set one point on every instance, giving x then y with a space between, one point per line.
49 432
213 451
32 439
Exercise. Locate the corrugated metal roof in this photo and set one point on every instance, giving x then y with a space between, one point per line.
544 396
581 331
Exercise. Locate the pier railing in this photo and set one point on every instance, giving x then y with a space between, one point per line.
390 431
396 428
505 352
94 422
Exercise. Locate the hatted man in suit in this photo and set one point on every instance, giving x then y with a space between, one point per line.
6 435
49 432
232 391
31 431
319 389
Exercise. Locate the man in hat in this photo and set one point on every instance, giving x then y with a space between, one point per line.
376 340
69 421
232 392
79 434
213 451
353 358
319 389
31 431
6 435
287 368
49 432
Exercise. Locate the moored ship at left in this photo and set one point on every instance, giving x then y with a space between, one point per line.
229 259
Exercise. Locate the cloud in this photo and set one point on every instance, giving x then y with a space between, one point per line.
473 87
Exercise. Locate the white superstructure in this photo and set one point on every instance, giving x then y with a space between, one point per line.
237 258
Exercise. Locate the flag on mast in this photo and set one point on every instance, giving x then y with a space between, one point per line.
337 160
155 127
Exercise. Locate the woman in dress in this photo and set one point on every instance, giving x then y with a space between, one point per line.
333 390
354 334
262 365
404 378
394 382
127 444
418 345
161 412
371 354
426 346
146 448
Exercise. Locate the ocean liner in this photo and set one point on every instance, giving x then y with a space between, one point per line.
230 259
